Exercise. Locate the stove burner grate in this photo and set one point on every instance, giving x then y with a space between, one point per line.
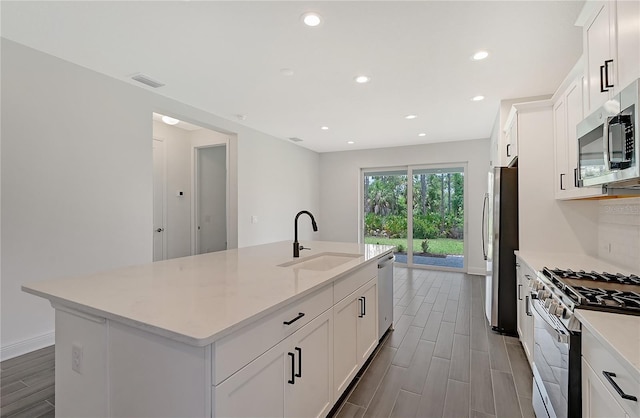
610 298
596 277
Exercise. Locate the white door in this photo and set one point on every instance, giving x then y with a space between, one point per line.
311 394
211 199
159 235
345 352
257 390
368 320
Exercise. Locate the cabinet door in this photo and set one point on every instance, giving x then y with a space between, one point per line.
520 302
513 140
597 401
597 38
311 347
368 321
257 390
561 147
628 42
345 352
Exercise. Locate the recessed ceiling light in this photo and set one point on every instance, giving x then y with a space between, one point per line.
169 120
480 55
361 79
324 128
422 134
311 19
286 71
478 98
350 142
411 116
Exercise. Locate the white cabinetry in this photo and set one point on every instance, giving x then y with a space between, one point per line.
567 113
292 379
525 318
356 333
606 383
611 36
511 136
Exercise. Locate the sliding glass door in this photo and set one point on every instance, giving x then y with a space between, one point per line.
420 210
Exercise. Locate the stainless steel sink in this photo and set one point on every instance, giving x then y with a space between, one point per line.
321 261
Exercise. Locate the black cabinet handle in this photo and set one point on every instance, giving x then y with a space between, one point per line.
602 89
300 315
299 350
360 314
526 306
561 183
519 295
508 149
606 73
364 306
575 177
293 365
609 376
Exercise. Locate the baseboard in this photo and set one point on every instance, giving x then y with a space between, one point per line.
477 271
26 346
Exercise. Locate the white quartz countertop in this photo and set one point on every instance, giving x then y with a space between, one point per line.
576 262
199 299
620 334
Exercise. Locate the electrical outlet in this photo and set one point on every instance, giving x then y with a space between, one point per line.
76 358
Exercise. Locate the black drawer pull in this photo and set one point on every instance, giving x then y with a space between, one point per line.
602 89
299 350
519 295
609 376
361 314
364 306
293 366
508 150
300 315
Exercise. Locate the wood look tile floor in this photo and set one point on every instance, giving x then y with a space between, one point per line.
27 385
441 360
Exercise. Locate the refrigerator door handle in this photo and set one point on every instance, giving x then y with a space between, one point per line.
484 225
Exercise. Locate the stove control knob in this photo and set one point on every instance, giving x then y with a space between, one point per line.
544 294
547 302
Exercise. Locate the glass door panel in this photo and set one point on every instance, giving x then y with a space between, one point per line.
438 217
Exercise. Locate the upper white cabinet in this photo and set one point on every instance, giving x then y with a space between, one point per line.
511 136
611 36
567 113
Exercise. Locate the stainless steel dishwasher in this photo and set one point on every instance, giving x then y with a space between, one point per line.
385 294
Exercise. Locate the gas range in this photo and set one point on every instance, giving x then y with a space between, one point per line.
563 291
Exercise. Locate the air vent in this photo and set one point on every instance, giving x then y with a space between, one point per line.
294 139
144 79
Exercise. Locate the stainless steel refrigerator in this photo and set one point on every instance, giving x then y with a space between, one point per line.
499 240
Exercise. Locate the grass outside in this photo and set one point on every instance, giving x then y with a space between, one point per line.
445 246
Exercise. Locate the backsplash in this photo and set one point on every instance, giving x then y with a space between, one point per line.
619 232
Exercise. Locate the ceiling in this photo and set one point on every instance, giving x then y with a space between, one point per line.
227 58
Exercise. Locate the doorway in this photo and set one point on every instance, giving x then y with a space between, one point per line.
419 210
211 199
194 189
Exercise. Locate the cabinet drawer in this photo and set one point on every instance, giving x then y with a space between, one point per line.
348 284
238 349
600 359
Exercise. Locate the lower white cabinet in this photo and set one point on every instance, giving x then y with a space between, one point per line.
356 333
607 384
292 379
597 401
525 317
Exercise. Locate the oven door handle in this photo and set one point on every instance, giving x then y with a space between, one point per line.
561 336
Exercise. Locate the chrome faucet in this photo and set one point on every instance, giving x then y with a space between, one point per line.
296 246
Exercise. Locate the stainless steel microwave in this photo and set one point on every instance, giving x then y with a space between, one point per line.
608 150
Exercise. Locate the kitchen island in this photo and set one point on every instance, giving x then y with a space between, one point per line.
243 332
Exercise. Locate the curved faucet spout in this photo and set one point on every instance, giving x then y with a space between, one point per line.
296 245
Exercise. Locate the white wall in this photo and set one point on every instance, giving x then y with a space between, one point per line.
77 181
340 194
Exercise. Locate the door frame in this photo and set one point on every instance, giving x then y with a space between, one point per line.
195 195
409 173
